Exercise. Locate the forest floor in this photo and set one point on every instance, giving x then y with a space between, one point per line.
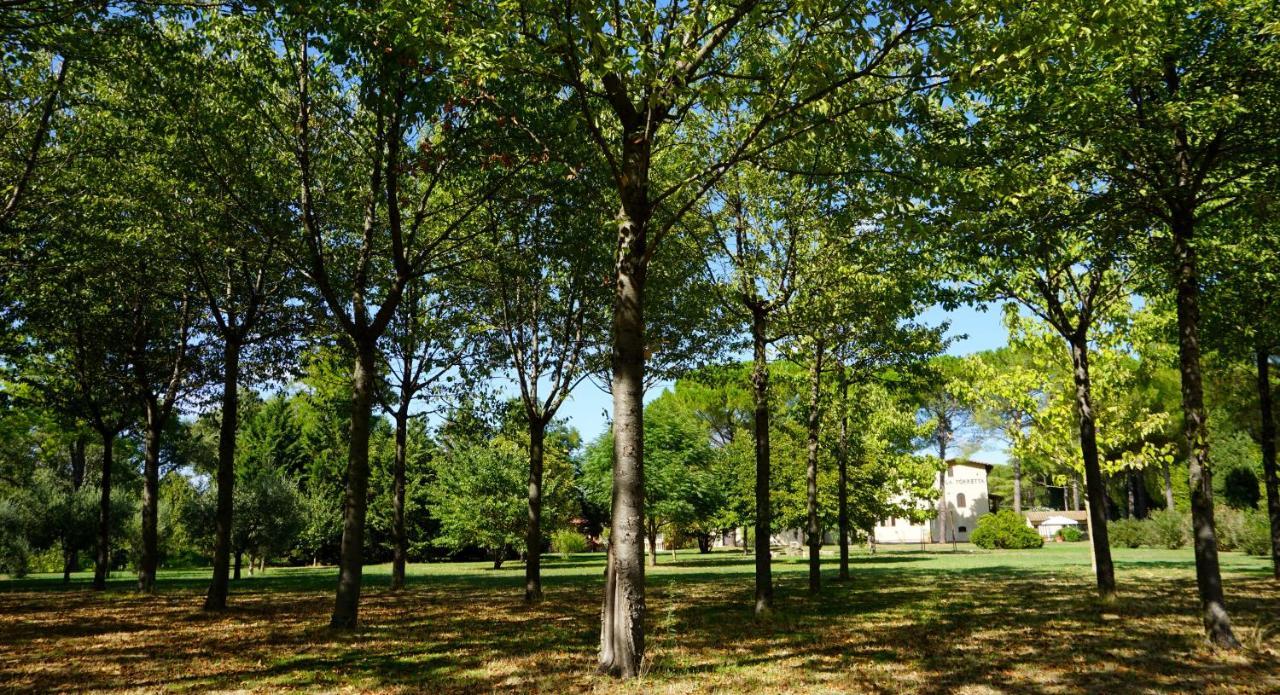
908 621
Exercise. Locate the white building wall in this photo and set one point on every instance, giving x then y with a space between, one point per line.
966 485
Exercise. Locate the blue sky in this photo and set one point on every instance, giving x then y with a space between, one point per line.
973 330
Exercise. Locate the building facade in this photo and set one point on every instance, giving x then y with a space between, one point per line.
966 499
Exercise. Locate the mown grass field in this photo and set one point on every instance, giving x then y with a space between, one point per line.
908 621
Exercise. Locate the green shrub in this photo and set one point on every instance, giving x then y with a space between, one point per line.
1229 525
1070 534
1005 529
1256 539
1168 529
1127 533
568 541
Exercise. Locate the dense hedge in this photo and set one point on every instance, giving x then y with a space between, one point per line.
1005 529
1247 531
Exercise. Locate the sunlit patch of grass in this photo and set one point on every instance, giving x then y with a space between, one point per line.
909 621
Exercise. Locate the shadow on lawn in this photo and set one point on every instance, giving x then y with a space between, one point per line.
893 627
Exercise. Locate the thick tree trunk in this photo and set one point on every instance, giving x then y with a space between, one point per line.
764 521
150 498
814 427
400 540
499 554
842 463
102 564
216 598
1017 485
351 560
1095 488
623 609
1268 436
533 539
1217 624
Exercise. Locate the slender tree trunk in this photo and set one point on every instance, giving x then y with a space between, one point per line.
533 539
1017 485
216 598
842 463
71 560
943 516
814 427
623 609
653 543
1129 509
239 562
764 520
102 564
1268 437
1075 494
1217 624
1095 488
351 559
150 498
400 539
498 556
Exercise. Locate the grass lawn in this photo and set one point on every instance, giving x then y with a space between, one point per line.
970 621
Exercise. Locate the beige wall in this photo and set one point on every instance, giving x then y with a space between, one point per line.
966 501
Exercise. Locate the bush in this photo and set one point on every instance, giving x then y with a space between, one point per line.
1168 529
1127 533
1256 539
1229 525
1005 529
1070 534
567 541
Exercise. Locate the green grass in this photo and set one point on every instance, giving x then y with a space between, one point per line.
909 620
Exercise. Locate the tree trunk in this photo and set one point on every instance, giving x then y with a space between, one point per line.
842 463
351 560
102 564
814 427
216 598
623 609
400 540
653 543
1095 488
533 540
239 561
1017 485
71 559
764 521
1268 436
943 515
150 498
1130 509
498 557
1217 624
1166 470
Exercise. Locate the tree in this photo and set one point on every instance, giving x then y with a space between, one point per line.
639 75
417 177
1174 109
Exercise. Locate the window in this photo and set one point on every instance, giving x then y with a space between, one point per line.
964 529
960 501
951 471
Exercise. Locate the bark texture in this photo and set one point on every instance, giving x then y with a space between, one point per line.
1217 624
216 598
842 464
1267 433
814 427
623 609
764 521
400 540
533 540
1095 488
102 563
356 503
